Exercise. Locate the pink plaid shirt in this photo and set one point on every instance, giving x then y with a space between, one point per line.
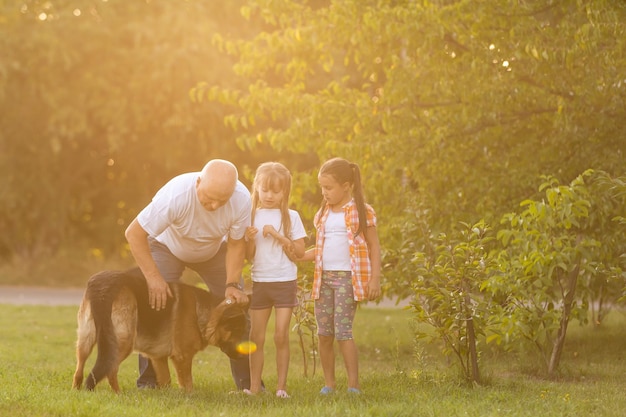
360 264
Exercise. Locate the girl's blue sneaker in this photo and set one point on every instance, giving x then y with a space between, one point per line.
326 391
354 391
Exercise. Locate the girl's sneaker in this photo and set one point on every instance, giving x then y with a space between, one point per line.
326 391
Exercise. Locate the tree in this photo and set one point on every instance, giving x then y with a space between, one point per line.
458 104
553 251
449 296
552 262
96 115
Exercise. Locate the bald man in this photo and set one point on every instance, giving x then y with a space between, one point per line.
197 221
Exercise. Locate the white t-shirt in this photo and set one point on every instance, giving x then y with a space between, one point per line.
176 218
271 264
336 252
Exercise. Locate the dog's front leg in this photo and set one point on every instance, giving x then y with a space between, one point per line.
183 371
162 371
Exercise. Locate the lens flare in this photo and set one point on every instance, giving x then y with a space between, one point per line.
246 348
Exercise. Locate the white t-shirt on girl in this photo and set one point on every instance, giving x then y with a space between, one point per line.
271 264
336 252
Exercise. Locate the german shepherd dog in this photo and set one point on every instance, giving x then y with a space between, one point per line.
115 315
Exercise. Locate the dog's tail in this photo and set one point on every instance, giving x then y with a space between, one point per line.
102 290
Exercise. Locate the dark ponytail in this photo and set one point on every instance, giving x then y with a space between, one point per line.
359 198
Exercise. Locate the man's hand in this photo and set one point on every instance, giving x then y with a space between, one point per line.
235 255
158 292
236 295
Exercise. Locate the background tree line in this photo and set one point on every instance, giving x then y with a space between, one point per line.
453 109
96 115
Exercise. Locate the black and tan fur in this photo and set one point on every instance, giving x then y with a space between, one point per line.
115 315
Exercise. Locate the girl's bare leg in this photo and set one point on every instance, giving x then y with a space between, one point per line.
327 359
281 340
258 327
351 360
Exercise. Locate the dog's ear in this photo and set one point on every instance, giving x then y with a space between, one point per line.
216 316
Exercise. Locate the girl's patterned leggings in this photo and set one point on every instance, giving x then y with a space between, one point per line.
335 308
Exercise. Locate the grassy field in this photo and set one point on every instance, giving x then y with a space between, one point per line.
37 363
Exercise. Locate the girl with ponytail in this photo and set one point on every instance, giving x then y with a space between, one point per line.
347 265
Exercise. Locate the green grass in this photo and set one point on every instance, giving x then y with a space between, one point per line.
37 363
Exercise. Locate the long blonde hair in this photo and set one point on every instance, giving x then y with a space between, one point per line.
273 175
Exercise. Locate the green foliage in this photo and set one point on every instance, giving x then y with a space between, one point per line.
405 240
605 278
305 326
553 262
448 293
556 256
456 104
95 115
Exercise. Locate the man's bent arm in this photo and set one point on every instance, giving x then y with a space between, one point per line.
158 290
235 256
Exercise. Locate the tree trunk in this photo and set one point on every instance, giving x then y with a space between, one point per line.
471 340
471 334
568 300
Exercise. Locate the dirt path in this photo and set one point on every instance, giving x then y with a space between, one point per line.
72 296
40 295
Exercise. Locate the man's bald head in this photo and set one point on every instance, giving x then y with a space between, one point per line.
216 183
